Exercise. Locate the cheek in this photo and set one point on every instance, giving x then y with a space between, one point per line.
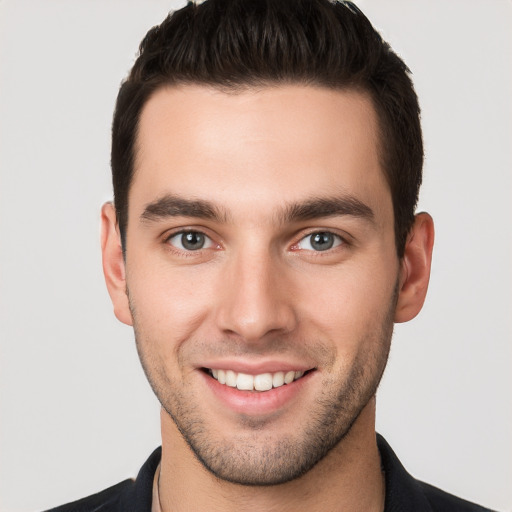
168 305
351 304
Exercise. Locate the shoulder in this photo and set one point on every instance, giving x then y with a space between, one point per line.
127 496
106 500
441 500
404 492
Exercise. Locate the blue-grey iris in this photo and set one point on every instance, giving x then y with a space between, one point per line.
322 241
192 241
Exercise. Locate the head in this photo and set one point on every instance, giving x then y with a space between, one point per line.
266 160
238 44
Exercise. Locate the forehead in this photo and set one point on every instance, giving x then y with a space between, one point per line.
274 143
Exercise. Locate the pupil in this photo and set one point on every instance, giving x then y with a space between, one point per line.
192 241
322 241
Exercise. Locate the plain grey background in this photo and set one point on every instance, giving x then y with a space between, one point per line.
76 413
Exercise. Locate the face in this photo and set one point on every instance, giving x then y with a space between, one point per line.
261 271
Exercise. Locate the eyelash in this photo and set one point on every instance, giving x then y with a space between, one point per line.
183 250
337 242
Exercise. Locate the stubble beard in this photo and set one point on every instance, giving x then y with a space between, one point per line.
257 457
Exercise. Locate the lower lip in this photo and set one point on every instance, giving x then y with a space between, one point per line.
255 403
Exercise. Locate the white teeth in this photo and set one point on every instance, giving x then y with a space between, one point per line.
230 378
261 382
278 379
289 377
244 381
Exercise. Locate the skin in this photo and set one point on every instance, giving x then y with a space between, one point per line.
238 167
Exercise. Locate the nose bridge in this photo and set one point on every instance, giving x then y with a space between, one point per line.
255 300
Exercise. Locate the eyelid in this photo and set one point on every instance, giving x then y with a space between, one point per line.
169 235
342 240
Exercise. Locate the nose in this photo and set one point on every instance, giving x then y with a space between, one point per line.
255 298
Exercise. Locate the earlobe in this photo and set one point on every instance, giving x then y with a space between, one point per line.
415 268
113 264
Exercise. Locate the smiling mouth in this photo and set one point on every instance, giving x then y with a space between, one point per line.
261 382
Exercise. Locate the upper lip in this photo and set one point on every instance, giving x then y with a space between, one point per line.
257 368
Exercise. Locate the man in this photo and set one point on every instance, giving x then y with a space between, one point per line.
266 164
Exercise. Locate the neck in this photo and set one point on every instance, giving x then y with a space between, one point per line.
349 478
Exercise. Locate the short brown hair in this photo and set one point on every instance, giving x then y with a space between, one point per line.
232 44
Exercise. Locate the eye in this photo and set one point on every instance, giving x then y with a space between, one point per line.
320 241
190 241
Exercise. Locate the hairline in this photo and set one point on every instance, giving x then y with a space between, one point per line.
256 85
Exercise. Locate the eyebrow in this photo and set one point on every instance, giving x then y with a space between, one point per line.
326 207
174 206
315 208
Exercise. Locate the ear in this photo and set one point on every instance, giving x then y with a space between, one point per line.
113 264
415 268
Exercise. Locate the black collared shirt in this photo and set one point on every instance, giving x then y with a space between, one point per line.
403 492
